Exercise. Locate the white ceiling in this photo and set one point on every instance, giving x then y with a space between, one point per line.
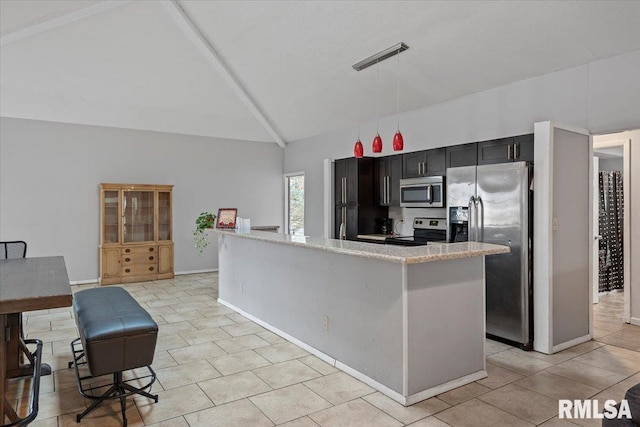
131 65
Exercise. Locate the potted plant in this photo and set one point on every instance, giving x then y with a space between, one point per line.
205 220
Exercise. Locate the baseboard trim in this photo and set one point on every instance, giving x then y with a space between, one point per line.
182 273
179 273
82 282
330 360
635 321
573 342
398 397
434 391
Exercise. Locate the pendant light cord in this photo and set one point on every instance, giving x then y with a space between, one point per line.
398 89
377 99
358 102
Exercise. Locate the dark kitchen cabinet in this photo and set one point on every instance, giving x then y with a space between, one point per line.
349 216
355 205
387 180
462 155
524 147
346 179
424 163
504 150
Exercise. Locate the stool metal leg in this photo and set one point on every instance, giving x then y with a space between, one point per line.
118 389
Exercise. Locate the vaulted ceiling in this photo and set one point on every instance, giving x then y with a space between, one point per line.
280 71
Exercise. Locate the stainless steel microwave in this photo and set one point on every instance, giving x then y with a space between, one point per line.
424 192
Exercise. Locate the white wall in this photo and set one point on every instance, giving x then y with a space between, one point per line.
49 176
614 164
571 242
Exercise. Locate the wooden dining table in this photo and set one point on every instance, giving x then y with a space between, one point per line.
26 284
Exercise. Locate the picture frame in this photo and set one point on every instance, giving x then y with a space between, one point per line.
226 218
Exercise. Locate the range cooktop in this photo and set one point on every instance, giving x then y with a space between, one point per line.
425 231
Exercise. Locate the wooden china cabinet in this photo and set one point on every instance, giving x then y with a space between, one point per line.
135 233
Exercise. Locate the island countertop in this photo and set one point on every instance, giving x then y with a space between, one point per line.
389 253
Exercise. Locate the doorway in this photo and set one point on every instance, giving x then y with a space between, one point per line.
611 275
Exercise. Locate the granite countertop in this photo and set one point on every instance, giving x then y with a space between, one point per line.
389 253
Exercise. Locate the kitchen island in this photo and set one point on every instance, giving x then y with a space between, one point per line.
408 321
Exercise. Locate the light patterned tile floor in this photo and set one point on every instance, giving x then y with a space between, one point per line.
215 367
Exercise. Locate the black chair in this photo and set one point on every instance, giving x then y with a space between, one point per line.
13 249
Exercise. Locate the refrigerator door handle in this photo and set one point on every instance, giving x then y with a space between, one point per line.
470 224
479 219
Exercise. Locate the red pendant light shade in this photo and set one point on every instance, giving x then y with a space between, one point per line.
377 144
398 142
358 149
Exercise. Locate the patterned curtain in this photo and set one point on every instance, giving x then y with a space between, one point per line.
611 274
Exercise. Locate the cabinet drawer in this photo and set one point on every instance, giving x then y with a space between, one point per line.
139 258
137 270
130 250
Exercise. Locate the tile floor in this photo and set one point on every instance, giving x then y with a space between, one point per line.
217 368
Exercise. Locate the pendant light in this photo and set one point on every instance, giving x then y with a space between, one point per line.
398 141
377 141
358 149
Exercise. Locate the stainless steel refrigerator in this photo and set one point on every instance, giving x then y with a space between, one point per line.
496 201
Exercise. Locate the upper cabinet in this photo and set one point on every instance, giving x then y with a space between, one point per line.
138 216
424 163
504 150
387 180
462 155
354 181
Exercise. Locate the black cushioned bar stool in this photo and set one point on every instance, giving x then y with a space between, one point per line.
633 398
116 335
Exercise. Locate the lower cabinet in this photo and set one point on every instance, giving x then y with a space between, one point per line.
110 265
165 261
136 263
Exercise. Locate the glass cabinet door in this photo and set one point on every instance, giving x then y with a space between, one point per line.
110 222
164 215
138 218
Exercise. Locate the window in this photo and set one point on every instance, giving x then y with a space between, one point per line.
294 203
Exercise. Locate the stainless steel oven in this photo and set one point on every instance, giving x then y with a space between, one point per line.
425 192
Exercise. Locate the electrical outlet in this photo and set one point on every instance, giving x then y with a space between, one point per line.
325 323
241 288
